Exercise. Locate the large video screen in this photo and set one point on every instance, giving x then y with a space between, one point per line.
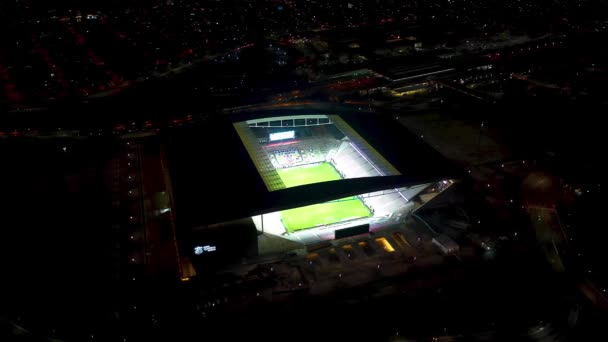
282 135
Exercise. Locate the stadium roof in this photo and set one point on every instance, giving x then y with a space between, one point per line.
215 180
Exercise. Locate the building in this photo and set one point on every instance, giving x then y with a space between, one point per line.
270 179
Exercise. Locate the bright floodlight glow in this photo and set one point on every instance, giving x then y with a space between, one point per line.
282 135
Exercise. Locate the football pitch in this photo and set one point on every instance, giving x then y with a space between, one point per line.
323 213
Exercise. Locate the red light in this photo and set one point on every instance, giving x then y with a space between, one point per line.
283 143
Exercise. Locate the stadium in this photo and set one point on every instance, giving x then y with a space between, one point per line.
300 174
293 151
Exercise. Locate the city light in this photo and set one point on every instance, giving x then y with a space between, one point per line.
278 173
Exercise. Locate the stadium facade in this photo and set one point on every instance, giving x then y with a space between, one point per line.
296 176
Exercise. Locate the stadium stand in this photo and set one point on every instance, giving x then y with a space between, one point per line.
260 158
307 151
385 204
352 164
287 158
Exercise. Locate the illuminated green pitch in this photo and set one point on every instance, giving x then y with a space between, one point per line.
323 213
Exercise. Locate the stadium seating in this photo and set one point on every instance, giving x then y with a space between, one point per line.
307 151
352 164
385 204
285 158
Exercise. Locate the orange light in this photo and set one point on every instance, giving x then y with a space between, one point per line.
385 244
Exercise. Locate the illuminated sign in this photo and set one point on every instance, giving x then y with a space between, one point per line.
198 250
282 135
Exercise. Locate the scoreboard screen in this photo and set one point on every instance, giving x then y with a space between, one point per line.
282 135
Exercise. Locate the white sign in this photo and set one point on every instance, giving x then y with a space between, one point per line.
198 250
282 135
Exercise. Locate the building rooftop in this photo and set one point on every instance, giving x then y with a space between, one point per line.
215 179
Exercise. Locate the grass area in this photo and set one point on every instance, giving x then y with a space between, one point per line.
323 213
297 176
